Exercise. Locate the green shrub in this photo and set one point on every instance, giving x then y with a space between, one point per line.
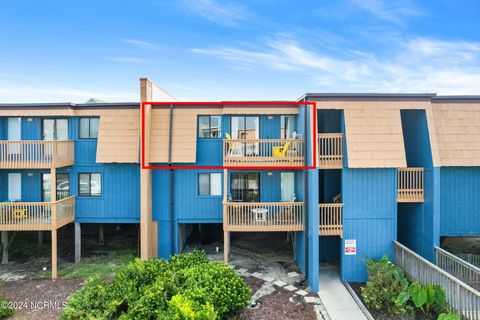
448 316
385 283
5 309
186 287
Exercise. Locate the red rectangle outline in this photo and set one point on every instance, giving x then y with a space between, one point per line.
203 104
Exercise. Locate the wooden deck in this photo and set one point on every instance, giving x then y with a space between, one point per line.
263 152
36 216
330 150
262 216
36 154
410 185
330 219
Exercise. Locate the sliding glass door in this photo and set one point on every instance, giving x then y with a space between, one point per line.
245 186
246 128
63 186
55 129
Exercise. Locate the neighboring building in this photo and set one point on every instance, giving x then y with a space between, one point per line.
389 167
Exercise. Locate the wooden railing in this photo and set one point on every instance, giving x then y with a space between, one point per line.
263 216
410 185
330 150
330 223
35 154
30 216
458 268
462 298
263 152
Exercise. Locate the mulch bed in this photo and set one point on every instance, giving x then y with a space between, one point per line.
39 299
276 306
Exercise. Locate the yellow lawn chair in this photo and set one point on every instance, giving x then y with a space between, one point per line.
19 213
281 151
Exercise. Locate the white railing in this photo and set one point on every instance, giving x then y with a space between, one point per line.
462 298
31 154
258 152
458 268
17 216
263 216
410 185
330 219
330 150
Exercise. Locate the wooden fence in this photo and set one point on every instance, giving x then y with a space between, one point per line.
35 154
330 223
462 298
330 150
458 268
410 185
258 152
263 216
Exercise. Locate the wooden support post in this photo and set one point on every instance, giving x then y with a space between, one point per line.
226 246
101 237
40 237
54 254
78 242
4 247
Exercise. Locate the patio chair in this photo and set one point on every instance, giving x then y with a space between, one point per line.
234 147
19 213
281 151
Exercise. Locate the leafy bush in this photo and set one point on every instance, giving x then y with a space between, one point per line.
5 309
186 287
448 316
385 283
424 297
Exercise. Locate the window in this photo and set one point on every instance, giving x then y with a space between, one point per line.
245 186
55 129
287 127
88 128
89 184
245 128
209 184
63 186
209 126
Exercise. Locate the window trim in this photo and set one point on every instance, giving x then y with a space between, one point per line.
209 126
89 125
209 195
90 185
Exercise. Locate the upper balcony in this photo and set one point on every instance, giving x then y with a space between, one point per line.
36 216
35 154
263 152
263 216
410 185
330 150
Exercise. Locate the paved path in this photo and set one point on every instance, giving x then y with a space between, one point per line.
336 298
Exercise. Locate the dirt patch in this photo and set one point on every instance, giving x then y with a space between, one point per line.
276 306
39 299
457 245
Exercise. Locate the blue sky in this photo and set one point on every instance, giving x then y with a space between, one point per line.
236 50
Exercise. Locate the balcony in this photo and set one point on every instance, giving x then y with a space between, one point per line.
35 154
263 152
263 216
410 185
36 216
330 150
330 219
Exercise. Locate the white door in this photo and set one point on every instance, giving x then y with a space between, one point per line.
14 186
287 186
14 133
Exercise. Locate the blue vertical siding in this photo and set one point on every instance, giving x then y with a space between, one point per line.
3 128
370 211
460 201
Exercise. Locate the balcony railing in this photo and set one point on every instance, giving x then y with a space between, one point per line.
35 154
31 216
263 216
330 223
263 152
330 150
410 185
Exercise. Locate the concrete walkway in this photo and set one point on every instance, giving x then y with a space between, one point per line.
336 298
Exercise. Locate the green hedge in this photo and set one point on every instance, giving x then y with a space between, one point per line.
186 287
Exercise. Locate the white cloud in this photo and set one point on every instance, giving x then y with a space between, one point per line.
141 44
389 10
224 13
416 65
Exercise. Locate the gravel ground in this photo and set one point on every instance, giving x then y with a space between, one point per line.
39 299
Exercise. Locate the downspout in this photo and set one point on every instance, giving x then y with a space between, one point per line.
172 181
306 207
